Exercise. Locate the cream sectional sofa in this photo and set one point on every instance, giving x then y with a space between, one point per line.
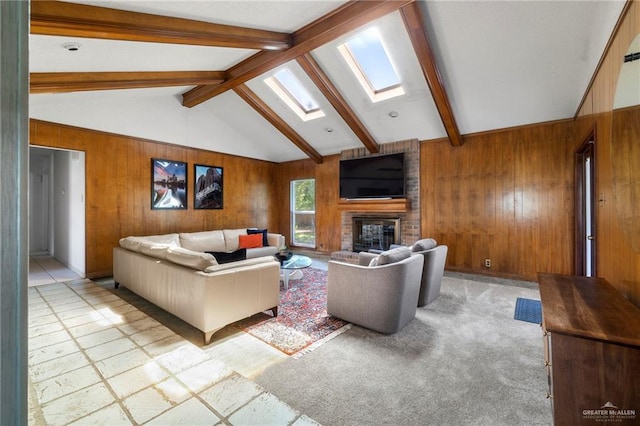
174 272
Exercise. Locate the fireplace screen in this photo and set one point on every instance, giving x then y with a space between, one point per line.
375 233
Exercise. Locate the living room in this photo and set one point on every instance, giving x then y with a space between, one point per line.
496 207
506 194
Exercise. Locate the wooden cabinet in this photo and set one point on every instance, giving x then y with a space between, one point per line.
592 351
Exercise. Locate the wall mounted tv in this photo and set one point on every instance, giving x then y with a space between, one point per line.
380 176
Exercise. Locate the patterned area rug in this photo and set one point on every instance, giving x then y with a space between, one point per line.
302 323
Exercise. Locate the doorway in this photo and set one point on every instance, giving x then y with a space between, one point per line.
585 238
57 206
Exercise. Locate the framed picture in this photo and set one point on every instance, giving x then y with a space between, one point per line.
208 187
168 184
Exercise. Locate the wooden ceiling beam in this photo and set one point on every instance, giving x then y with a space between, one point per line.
265 111
77 20
339 22
331 93
418 35
58 82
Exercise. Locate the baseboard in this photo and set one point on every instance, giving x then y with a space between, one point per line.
77 271
494 279
99 274
504 275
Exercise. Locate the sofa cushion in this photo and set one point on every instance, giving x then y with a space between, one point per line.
250 241
240 264
231 239
265 239
424 244
261 251
391 256
275 240
130 243
158 250
234 256
170 239
203 241
133 243
148 246
190 258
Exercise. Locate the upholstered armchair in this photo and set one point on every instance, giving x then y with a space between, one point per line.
434 260
381 297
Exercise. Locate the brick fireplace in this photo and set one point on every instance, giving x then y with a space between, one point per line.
407 228
371 233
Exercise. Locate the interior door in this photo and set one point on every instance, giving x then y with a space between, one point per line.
585 264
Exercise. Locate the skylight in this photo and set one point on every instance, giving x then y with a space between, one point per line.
294 94
366 56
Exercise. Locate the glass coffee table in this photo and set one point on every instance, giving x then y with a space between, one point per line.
292 265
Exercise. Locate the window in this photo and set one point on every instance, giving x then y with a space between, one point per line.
303 212
293 93
368 59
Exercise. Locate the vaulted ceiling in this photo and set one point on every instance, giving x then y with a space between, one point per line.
192 72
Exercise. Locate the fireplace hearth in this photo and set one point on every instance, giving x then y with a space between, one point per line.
370 233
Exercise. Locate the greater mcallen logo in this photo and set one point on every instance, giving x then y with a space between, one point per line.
609 413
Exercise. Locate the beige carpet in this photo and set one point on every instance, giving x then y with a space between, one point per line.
463 360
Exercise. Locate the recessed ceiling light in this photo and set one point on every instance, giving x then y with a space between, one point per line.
71 47
393 114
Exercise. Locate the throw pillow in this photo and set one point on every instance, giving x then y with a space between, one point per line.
225 257
250 241
425 244
393 255
265 241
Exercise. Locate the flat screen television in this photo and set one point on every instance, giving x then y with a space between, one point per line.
380 176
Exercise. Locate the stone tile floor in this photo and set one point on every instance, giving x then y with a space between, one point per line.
96 359
47 270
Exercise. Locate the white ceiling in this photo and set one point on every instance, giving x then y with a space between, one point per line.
503 64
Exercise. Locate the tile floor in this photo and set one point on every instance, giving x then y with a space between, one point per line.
101 356
94 359
47 270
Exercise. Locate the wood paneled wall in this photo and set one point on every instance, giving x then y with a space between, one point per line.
616 260
118 185
506 196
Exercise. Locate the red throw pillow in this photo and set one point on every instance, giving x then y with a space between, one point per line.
250 241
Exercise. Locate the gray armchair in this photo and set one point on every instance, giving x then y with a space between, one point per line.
432 272
382 298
